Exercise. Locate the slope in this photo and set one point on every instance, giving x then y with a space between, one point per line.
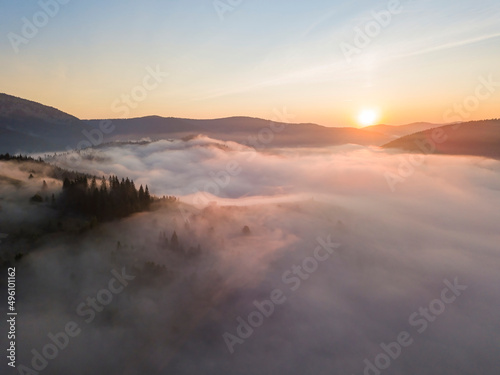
479 138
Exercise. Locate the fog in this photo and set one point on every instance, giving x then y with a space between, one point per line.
393 230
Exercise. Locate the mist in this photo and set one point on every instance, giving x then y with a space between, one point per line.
392 231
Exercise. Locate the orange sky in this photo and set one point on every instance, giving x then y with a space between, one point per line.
173 61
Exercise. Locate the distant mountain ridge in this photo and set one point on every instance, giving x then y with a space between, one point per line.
29 127
264 133
475 138
397 131
15 107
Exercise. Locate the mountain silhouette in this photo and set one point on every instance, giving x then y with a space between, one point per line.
29 127
478 138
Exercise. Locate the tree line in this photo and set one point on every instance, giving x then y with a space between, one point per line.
98 198
110 199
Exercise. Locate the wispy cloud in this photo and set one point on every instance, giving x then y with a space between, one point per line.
450 45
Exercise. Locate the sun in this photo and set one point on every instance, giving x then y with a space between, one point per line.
367 117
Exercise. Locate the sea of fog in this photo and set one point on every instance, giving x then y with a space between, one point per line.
355 260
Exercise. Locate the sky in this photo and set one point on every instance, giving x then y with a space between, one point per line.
326 62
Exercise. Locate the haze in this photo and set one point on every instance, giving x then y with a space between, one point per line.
249 187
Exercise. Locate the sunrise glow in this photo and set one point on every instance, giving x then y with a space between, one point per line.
367 117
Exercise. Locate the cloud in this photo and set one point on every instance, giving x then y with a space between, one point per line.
453 44
396 250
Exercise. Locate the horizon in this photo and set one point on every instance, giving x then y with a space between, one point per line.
250 187
392 62
258 118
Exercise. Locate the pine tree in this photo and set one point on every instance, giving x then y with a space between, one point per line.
174 241
141 196
93 185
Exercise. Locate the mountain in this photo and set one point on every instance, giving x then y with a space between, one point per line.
479 138
264 133
397 131
27 126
